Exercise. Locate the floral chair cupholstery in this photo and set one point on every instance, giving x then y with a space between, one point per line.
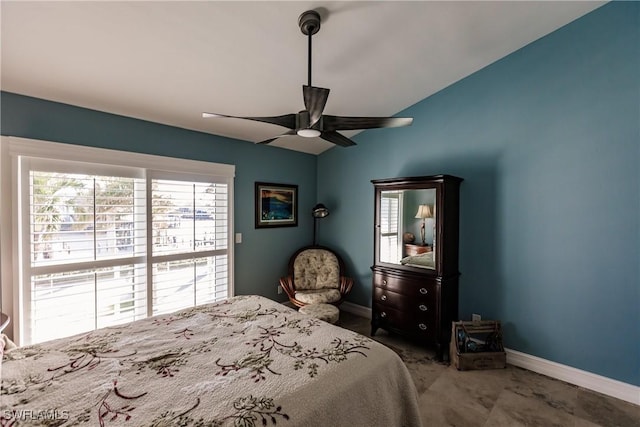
316 276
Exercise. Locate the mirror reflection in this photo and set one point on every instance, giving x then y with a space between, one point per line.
407 227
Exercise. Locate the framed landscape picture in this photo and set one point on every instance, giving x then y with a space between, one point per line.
276 205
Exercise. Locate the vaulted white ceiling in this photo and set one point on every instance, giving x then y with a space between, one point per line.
167 62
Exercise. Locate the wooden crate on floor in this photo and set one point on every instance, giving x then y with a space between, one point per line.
477 345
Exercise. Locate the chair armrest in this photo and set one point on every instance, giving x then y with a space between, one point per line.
345 285
288 286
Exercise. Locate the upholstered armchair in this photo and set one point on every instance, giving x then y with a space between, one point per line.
316 275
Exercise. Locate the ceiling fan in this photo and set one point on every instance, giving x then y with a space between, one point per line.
311 122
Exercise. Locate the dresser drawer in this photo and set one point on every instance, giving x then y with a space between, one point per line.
423 310
390 299
387 317
387 282
417 306
424 288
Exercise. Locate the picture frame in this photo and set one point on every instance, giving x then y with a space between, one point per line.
276 205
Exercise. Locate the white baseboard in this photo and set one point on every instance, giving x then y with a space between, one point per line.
356 309
588 380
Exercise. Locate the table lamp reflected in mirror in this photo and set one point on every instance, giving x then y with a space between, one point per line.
424 211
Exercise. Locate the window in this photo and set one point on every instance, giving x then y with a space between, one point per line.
101 244
390 238
189 243
86 248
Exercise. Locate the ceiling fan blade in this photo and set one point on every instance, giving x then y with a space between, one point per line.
336 138
353 123
288 133
315 98
286 120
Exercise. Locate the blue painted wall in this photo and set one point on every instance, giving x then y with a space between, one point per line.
263 255
548 143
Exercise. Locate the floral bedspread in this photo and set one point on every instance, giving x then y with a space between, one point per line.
247 361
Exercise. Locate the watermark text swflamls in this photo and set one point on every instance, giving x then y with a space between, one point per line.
35 414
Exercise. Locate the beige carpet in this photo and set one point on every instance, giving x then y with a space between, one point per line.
508 397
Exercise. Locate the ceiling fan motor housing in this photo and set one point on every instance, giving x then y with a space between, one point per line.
302 120
309 22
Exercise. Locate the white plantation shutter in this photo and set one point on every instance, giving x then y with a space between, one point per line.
71 302
85 217
103 244
86 235
190 224
390 239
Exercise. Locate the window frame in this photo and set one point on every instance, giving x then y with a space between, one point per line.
13 149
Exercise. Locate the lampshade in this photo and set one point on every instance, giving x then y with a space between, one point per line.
424 211
319 211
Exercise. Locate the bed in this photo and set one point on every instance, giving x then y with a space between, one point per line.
424 260
246 361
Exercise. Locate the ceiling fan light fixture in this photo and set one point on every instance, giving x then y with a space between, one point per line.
308 133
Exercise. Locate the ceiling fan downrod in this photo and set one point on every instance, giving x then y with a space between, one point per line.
309 23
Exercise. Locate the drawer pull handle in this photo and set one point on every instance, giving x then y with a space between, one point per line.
384 298
423 291
384 282
383 314
422 307
422 326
